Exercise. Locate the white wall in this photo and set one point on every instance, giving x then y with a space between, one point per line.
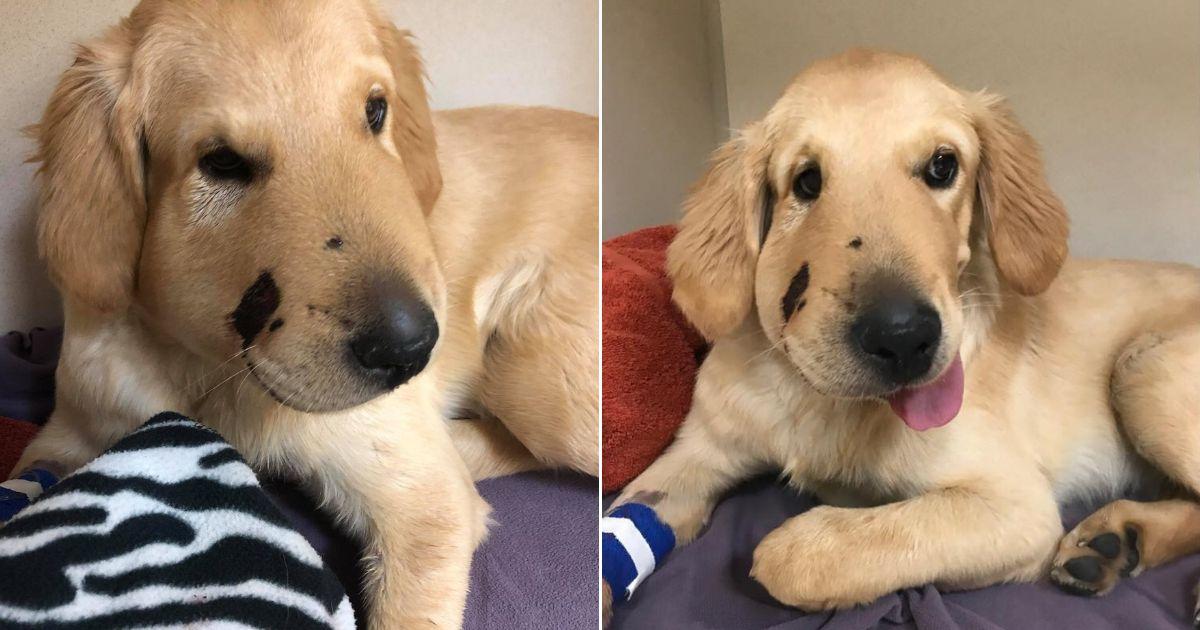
1110 88
663 106
529 52
534 52
36 37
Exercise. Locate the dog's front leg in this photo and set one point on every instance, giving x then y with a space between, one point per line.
401 487
958 537
683 484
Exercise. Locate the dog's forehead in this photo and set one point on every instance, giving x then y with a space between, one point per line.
251 47
863 103
859 73
871 83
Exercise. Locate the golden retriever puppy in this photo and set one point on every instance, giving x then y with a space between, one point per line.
255 219
883 270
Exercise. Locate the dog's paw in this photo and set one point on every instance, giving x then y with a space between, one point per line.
1094 556
802 565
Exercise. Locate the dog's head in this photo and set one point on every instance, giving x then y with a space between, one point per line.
848 219
253 180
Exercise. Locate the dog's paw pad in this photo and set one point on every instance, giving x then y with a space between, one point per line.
1093 565
1085 568
1107 545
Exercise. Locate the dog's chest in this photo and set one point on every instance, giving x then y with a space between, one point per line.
1103 467
856 458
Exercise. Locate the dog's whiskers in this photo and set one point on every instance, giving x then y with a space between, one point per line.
250 367
223 381
276 385
205 376
778 345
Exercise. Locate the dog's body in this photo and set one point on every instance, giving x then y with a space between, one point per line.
1074 374
310 252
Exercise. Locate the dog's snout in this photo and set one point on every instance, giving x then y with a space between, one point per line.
898 337
396 347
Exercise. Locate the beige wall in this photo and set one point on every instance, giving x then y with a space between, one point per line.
663 106
36 37
537 52
1110 88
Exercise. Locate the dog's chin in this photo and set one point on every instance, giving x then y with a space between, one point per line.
853 388
313 393
834 381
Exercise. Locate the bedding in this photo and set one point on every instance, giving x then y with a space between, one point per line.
536 570
706 584
27 362
169 527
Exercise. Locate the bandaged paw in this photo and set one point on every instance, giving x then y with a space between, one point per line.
634 542
16 494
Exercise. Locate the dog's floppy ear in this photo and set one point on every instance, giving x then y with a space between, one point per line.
93 206
712 259
412 125
1027 225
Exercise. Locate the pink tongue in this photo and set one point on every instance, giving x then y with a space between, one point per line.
932 405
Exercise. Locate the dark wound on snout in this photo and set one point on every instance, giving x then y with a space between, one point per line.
793 299
259 302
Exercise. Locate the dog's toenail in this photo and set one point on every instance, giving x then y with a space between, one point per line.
1133 556
1084 569
1107 545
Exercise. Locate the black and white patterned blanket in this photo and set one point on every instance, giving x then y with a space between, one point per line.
167 528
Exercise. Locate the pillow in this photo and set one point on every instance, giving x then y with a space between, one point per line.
650 358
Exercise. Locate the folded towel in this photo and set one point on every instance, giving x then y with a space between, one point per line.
167 528
651 355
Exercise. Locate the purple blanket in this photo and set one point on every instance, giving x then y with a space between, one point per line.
707 585
536 570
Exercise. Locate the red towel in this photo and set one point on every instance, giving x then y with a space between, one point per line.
650 355
15 435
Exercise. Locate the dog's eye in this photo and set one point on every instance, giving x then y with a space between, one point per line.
225 164
807 185
376 113
940 171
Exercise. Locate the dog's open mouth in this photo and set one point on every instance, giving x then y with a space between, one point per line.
933 404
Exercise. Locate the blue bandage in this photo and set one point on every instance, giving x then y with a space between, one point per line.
633 542
15 494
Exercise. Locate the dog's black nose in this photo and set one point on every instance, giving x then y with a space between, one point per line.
899 337
396 347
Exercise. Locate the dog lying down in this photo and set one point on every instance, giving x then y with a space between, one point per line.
883 270
255 220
